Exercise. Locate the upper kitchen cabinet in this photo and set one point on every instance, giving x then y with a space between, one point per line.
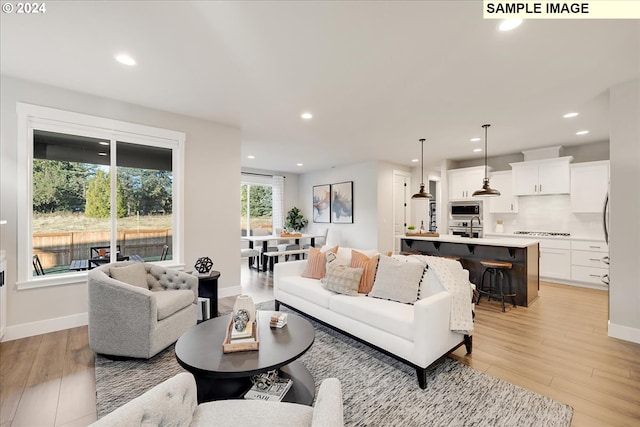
463 182
506 202
589 186
538 177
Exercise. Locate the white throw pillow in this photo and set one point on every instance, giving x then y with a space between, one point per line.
397 279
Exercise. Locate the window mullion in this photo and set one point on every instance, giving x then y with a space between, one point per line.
113 199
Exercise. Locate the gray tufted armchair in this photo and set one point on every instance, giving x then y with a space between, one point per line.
138 309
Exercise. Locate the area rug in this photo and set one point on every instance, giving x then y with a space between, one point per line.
377 389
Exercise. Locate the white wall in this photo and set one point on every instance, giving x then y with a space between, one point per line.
212 159
624 236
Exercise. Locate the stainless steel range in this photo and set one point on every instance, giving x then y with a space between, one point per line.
542 233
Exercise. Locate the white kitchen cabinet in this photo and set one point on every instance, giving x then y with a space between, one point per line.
589 186
463 182
589 261
539 177
506 202
555 259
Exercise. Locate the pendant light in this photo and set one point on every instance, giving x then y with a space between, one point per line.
486 190
422 194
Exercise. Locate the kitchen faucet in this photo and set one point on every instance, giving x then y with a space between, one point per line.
471 225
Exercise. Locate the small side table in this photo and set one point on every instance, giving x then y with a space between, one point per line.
208 288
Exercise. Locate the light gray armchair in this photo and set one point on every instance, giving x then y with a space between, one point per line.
174 403
138 309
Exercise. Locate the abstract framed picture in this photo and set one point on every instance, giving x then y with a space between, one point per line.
342 203
322 203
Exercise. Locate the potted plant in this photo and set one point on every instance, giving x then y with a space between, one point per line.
411 228
295 220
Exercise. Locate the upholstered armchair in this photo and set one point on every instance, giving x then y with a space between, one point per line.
174 403
138 309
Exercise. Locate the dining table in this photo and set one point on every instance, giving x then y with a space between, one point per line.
264 241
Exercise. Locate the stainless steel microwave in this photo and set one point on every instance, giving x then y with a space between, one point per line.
465 209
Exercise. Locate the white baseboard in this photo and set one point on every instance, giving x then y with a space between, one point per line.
45 326
624 332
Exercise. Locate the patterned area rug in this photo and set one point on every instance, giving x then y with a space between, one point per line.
377 389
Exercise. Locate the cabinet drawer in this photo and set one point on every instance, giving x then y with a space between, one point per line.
588 274
554 244
589 245
555 263
589 259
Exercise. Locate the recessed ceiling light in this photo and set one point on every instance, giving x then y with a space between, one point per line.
306 115
104 143
474 139
509 24
477 150
251 157
102 153
570 115
125 59
582 132
415 160
299 164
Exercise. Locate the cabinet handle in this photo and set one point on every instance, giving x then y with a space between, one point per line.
594 247
540 188
595 259
595 275
535 188
511 206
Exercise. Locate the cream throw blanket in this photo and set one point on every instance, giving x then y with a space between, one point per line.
456 282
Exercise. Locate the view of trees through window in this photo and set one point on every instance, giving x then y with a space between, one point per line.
72 202
256 207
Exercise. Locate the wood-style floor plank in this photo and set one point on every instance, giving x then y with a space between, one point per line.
557 347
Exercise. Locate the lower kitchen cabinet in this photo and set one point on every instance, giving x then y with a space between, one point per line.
589 261
555 259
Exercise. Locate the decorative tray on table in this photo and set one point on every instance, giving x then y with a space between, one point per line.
233 345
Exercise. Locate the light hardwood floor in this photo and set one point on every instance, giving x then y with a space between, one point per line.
558 347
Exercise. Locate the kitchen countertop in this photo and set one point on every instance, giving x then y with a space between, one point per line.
520 236
510 241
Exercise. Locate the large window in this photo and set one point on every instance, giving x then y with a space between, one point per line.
95 195
256 208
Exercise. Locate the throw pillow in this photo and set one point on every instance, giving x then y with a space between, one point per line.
397 280
342 279
316 263
369 267
134 274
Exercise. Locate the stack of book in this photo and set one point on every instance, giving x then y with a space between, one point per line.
274 392
278 320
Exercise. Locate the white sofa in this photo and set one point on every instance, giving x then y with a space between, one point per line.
417 334
174 403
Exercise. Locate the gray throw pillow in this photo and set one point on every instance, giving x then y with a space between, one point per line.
342 279
397 280
133 274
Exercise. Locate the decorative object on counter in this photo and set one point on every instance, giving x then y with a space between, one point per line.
295 221
203 265
421 194
411 228
499 226
486 189
425 234
342 203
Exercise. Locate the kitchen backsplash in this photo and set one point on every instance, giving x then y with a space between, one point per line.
548 213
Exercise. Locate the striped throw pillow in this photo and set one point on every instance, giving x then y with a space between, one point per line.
317 263
369 267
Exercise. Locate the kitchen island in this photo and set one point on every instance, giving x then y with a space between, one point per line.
522 253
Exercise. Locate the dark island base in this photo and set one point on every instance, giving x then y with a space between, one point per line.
524 274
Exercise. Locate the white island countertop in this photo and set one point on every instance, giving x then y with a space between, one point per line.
505 242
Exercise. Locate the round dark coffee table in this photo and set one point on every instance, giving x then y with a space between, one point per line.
228 375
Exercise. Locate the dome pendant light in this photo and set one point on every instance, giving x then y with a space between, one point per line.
486 189
422 194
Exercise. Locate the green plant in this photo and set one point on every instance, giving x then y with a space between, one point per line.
295 220
411 227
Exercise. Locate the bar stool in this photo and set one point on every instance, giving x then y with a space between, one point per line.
498 274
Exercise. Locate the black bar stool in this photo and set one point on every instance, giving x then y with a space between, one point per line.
498 274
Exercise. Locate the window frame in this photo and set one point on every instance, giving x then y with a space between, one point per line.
257 180
32 117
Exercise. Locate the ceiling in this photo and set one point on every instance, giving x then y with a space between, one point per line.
377 76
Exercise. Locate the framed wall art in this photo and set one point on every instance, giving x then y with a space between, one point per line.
342 203
322 203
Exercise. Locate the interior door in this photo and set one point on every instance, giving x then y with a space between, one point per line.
401 186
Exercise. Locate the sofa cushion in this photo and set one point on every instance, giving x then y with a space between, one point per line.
316 262
397 279
344 255
251 413
133 274
342 279
170 302
307 289
369 266
397 318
